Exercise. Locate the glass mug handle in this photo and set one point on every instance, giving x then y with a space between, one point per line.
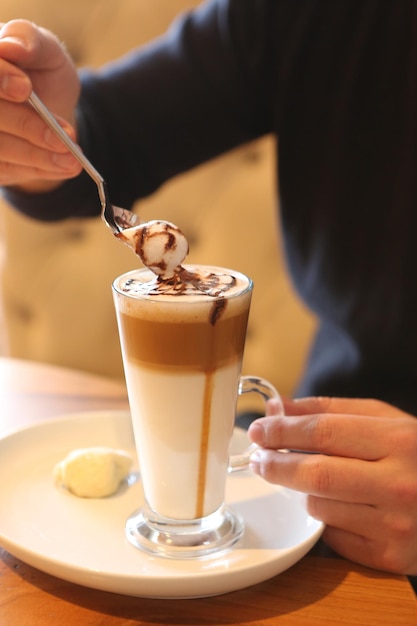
253 384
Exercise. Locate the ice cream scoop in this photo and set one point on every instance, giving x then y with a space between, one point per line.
161 246
93 472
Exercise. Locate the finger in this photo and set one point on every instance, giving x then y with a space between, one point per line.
352 406
28 145
14 84
393 529
356 548
341 435
19 152
388 547
27 45
380 555
39 53
27 162
273 407
346 480
358 518
21 176
23 122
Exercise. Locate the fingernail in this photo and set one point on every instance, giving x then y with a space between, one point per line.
275 407
64 161
255 461
257 433
16 40
53 141
16 86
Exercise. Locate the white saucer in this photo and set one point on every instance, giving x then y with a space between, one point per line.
83 540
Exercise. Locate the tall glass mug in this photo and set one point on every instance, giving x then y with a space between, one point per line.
182 357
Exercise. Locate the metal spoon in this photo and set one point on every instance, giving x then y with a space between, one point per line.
115 217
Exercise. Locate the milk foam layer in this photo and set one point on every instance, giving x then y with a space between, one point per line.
198 284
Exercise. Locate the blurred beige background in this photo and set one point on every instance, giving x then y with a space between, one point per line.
55 297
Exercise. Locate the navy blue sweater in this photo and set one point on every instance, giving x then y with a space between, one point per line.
336 82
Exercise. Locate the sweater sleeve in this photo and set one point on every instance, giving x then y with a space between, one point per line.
192 94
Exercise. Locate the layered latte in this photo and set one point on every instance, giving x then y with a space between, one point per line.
182 342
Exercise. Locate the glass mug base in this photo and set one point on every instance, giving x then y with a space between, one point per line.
184 539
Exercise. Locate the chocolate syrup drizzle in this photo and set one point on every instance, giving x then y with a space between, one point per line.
145 236
181 281
186 282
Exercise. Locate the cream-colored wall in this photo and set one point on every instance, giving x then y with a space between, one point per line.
227 208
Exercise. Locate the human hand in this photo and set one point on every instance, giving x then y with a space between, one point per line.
31 156
362 481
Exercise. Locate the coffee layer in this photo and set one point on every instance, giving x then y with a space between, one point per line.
199 346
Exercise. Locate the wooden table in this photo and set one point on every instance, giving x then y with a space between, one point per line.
320 589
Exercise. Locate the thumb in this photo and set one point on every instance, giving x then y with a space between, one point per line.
28 46
17 39
35 55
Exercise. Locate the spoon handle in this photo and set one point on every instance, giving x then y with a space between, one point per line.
75 150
